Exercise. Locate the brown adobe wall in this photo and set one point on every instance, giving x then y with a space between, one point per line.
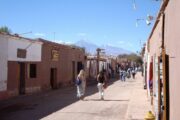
13 78
63 65
31 84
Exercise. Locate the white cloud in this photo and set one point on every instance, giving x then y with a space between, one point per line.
84 39
81 34
40 34
68 43
121 42
109 44
62 42
59 41
125 44
130 44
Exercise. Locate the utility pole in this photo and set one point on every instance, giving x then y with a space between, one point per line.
98 51
98 58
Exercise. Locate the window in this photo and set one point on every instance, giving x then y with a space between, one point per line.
32 71
21 53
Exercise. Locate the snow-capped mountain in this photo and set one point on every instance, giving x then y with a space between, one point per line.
112 50
109 50
89 47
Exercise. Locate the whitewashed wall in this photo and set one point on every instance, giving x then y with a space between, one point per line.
32 47
3 62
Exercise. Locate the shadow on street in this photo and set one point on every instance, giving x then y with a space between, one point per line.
103 100
40 105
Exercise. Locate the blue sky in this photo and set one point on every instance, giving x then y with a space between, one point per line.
100 22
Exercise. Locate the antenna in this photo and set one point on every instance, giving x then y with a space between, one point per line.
25 33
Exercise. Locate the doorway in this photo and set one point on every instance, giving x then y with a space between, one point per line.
167 93
164 99
79 66
21 78
73 71
53 78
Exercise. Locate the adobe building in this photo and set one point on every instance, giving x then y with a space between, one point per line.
3 66
20 59
92 66
112 61
60 64
29 66
162 61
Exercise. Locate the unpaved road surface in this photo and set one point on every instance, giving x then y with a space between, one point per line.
62 104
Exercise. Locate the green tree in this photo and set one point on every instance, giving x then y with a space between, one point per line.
5 29
132 57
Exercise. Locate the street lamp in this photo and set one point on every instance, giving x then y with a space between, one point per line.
148 20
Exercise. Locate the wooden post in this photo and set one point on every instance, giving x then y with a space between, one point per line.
98 50
98 57
159 90
89 67
164 70
164 83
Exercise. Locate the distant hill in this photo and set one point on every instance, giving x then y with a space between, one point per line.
89 47
109 50
112 50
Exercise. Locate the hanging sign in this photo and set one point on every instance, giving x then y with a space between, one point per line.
55 55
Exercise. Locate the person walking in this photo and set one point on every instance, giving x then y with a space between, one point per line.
120 74
133 73
124 75
81 84
101 78
128 73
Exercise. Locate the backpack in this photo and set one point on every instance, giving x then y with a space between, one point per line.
78 81
101 79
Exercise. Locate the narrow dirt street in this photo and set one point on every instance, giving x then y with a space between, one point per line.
62 104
